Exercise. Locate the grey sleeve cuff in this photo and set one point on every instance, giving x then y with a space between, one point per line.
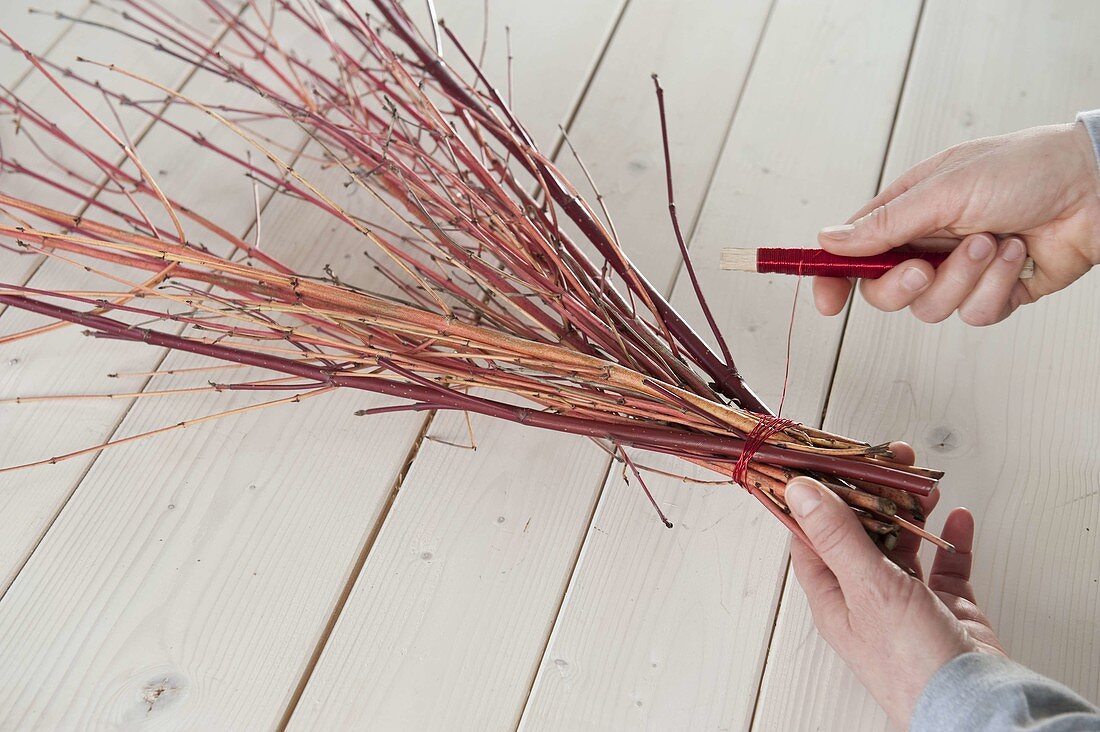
978 692
1091 121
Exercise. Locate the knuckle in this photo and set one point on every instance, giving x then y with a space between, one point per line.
1024 296
874 219
879 297
929 312
880 217
889 305
977 315
829 535
892 590
947 583
960 150
961 278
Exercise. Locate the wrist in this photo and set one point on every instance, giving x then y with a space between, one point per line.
1088 123
923 665
1084 138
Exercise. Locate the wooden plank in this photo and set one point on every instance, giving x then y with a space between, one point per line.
669 629
457 596
267 572
188 580
1009 411
273 510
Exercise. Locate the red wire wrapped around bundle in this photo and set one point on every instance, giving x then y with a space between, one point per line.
767 426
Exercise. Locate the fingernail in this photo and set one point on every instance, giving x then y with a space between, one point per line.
843 231
913 279
803 497
979 248
1014 251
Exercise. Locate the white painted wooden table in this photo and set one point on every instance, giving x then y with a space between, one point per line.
218 578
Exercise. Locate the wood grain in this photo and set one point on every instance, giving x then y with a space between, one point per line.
1008 411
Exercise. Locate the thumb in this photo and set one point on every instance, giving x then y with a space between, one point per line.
836 534
917 213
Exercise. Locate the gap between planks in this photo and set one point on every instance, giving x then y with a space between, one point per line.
590 76
785 582
669 287
565 592
713 172
878 187
18 82
353 575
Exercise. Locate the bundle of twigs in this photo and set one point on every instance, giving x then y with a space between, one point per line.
492 298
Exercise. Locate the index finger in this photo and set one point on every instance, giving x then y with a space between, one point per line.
929 207
901 184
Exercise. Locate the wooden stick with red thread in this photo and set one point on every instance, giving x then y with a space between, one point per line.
818 262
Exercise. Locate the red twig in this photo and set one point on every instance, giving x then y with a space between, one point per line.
676 227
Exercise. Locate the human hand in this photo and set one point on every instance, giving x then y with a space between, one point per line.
1037 191
893 630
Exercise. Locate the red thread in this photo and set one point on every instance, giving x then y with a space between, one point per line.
820 263
765 428
790 337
